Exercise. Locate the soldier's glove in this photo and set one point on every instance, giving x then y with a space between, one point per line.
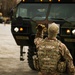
41 28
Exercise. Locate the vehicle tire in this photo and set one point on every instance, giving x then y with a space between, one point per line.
30 58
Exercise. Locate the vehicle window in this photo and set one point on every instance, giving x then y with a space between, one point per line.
35 11
62 11
22 13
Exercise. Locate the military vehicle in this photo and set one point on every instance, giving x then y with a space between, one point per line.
27 15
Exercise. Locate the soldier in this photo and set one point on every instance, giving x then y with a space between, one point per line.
50 52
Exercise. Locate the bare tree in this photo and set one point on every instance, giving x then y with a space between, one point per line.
7 5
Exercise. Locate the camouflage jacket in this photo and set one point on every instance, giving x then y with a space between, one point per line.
64 51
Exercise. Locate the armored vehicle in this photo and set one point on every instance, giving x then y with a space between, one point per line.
27 15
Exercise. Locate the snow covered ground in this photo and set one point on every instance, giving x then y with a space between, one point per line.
8 46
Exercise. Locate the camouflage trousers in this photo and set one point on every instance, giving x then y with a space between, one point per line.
49 73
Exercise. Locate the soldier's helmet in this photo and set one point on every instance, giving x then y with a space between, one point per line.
53 30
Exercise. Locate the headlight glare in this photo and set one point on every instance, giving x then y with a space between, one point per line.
73 32
68 31
16 29
21 29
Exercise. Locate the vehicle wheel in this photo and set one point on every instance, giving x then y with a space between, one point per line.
30 59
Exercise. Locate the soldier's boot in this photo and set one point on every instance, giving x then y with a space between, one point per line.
40 73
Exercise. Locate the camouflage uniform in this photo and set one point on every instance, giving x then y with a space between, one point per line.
51 57
64 51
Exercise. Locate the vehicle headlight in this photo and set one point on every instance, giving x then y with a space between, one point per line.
68 31
73 32
21 29
16 29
